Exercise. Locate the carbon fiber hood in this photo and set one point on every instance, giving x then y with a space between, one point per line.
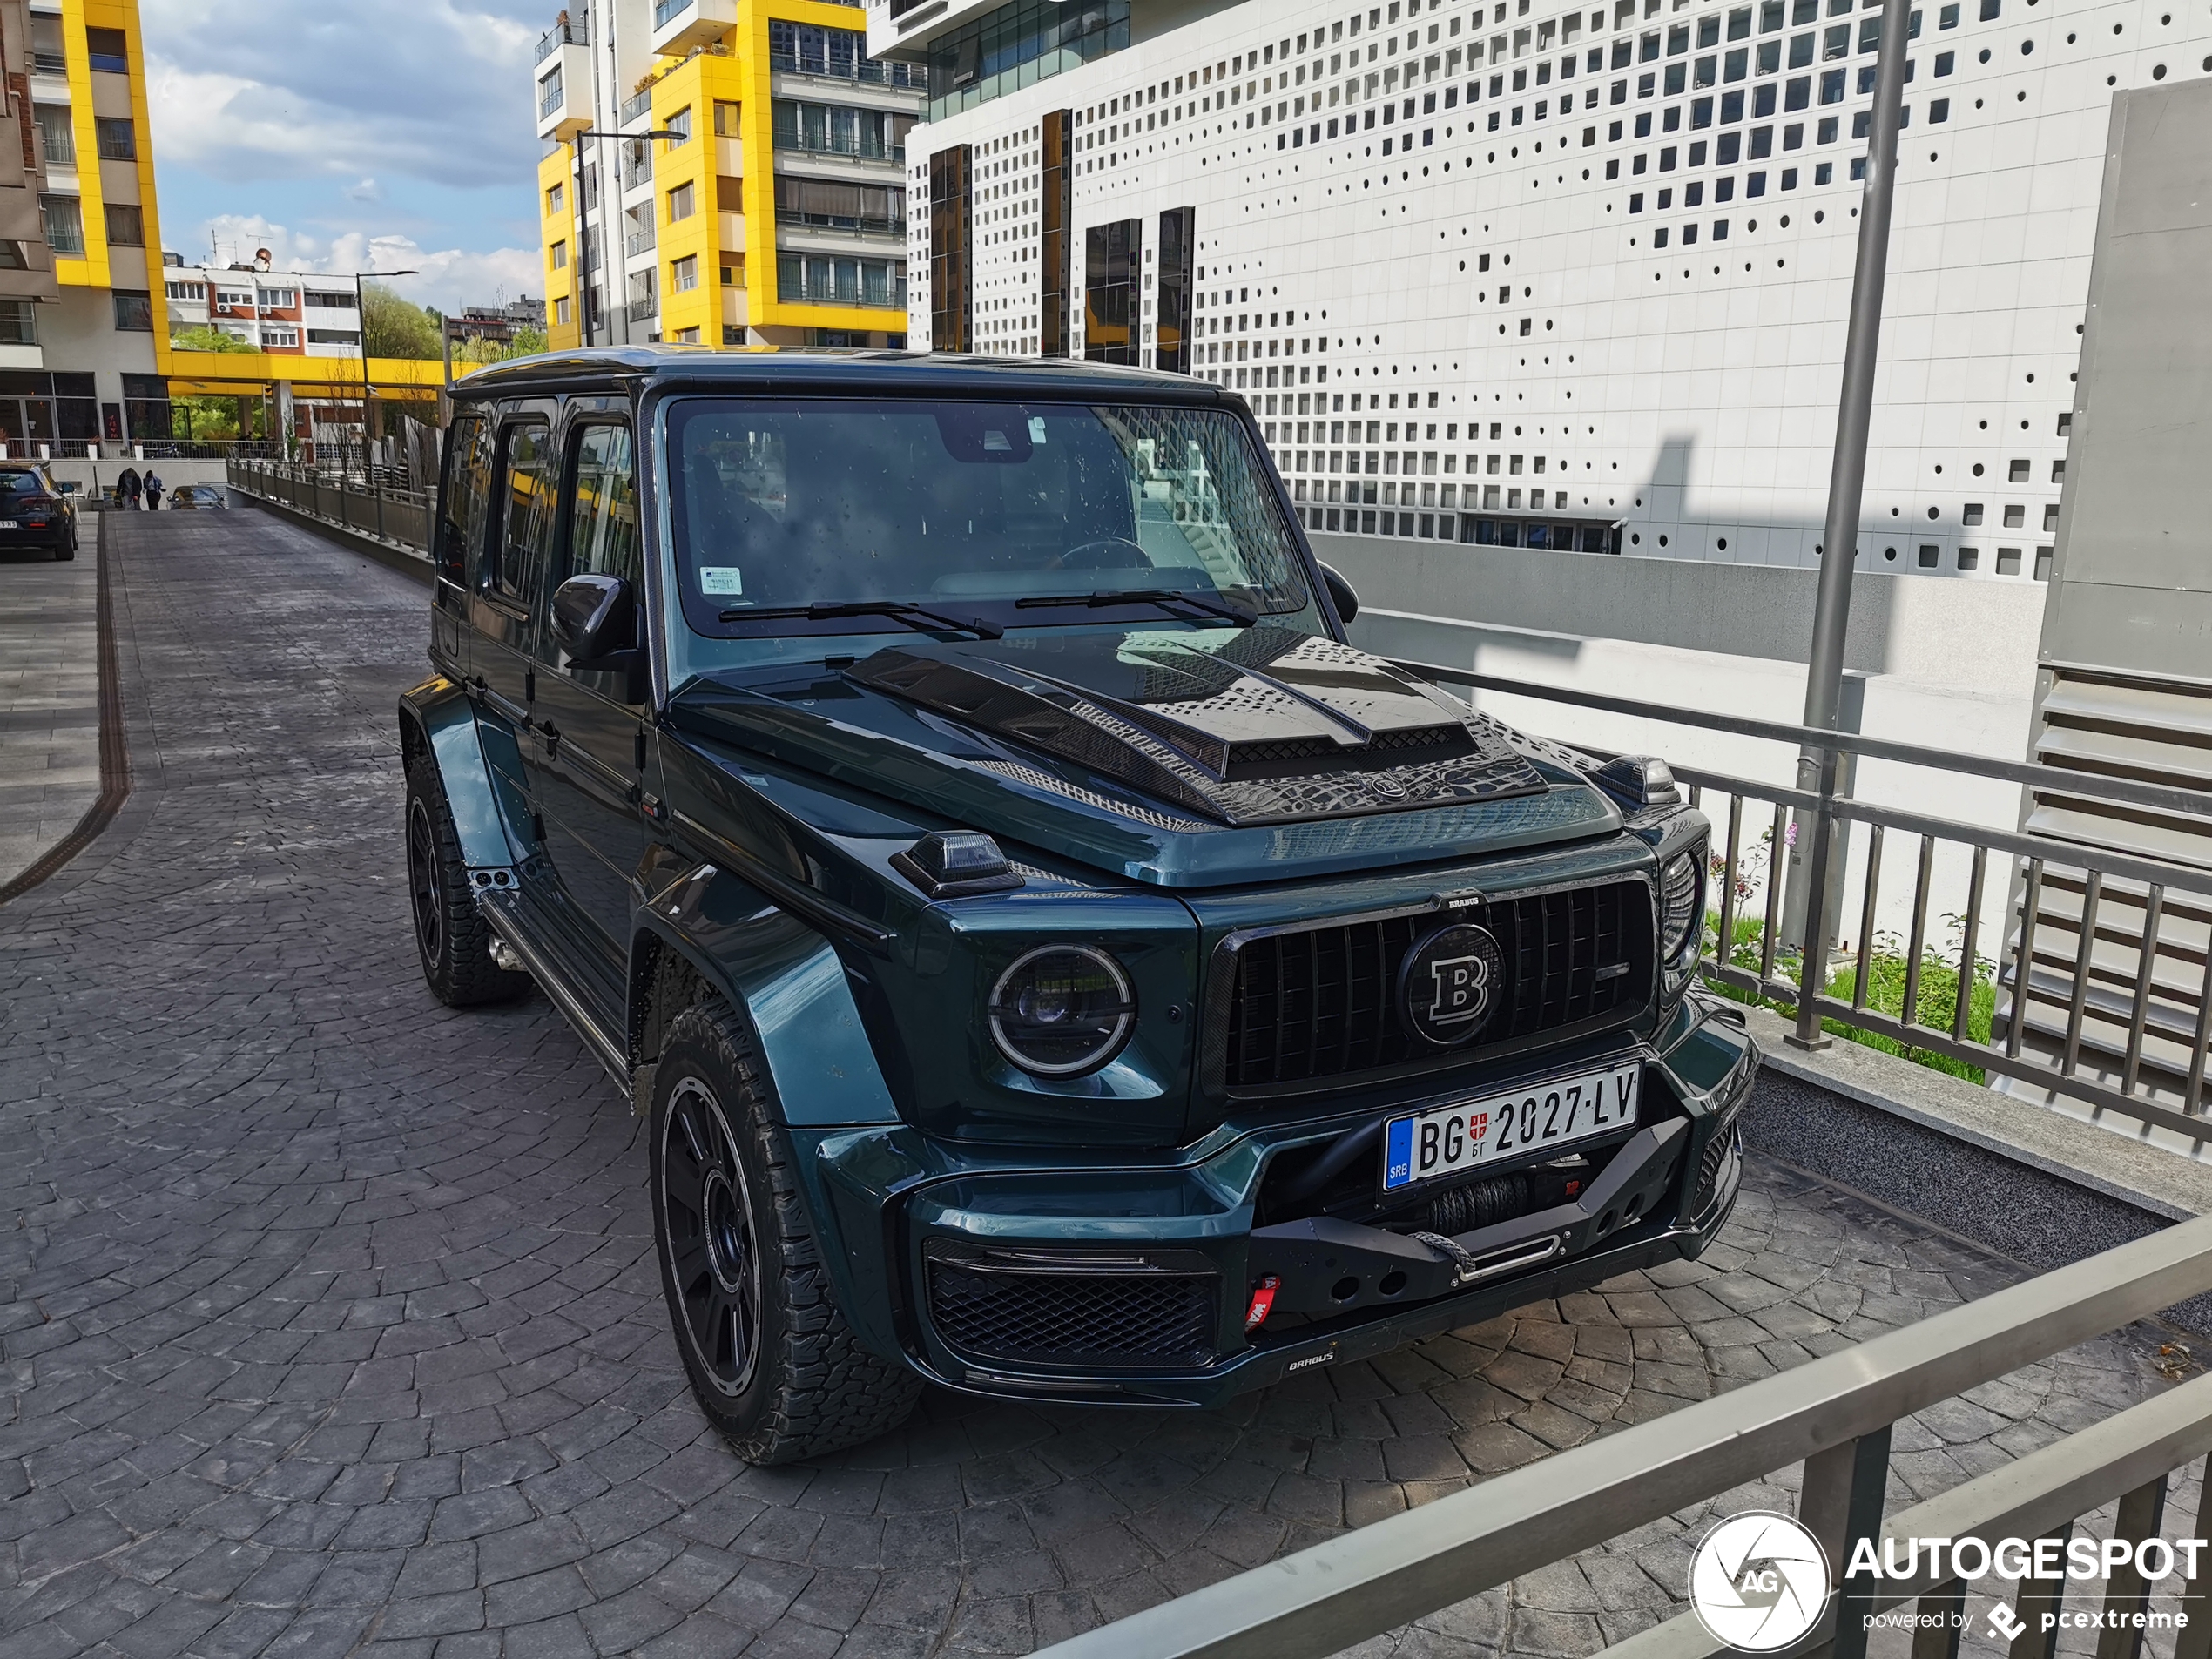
1261 726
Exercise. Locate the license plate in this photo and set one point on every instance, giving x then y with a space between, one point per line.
1556 1112
8 524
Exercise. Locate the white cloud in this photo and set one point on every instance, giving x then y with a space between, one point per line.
435 90
449 278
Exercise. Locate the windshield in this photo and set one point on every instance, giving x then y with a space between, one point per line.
22 483
967 510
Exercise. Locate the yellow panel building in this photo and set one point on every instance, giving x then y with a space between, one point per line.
769 206
86 361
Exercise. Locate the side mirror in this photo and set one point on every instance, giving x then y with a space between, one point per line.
1340 594
594 617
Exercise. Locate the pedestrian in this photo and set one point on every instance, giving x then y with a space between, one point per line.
127 486
153 491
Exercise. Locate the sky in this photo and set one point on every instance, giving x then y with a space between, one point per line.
348 137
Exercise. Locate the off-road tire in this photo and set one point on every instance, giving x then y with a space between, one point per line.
451 936
810 1388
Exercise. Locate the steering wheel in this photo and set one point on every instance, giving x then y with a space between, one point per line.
1069 560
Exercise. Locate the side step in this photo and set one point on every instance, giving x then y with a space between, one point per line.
498 908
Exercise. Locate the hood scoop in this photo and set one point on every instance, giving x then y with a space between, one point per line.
1272 727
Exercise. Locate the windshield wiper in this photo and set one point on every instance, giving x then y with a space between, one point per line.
1161 596
919 617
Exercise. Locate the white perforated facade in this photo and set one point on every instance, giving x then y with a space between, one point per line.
1526 266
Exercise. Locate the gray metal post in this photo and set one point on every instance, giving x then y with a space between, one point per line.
1847 486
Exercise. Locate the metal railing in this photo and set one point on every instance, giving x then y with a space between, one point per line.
638 242
1834 1414
60 145
640 103
569 31
2071 969
643 310
347 499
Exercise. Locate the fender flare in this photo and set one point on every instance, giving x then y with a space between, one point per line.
788 982
784 974
438 722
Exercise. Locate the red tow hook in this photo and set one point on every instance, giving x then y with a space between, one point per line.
1263 1302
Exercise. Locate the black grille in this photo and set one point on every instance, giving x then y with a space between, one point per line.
1074 1317
1322 1002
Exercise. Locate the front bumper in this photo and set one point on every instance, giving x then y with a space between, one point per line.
1129 1285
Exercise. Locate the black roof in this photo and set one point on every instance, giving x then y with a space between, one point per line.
782 370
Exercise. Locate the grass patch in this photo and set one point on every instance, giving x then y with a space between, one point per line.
1936 1001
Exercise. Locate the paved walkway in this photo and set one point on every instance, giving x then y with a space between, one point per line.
49 716
328 1322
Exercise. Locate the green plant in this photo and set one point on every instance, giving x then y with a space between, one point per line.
1936 1000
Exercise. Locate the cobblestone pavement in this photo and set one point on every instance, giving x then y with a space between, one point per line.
50 716
330 1326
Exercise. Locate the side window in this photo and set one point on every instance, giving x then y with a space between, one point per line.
526 526
603 514
468 494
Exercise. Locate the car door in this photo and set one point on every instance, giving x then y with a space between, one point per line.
588 747
464 504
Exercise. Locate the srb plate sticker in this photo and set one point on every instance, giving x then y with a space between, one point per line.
721 580
1556 1112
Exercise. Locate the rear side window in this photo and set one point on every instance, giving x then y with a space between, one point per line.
468 493
530 477
603 516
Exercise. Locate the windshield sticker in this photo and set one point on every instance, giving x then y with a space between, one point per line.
1036 429
720 579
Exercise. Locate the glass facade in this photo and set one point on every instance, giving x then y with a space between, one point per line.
1018 46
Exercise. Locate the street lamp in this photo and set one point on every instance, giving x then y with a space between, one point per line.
578 264
368 393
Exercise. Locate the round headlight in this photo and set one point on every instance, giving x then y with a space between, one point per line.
1062 1010
1680 887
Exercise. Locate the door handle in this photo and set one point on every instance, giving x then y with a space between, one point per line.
549 735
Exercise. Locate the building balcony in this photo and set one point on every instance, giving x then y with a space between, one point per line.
643 310
679 25
565 93
569 31
638 242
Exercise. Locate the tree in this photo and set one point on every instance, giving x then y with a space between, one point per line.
396 328
205 338
527 342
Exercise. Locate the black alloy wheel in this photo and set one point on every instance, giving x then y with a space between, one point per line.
450 932
424 883
771 1359
713 1266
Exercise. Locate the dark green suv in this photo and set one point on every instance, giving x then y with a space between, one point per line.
1053 963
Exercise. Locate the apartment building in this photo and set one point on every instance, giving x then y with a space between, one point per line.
774 212
1554 274
85 358
286 314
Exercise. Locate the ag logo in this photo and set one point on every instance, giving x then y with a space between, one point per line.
1450 983
1758 1581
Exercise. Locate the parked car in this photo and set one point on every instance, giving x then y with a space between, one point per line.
34 510
197 497
1053 962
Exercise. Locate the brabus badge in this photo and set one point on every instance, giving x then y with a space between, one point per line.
1449 983
1386 789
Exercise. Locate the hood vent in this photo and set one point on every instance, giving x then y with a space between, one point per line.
1272 727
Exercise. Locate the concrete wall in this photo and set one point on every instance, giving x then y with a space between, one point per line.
2132 577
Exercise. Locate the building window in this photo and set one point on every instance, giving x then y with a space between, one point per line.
56 134
682 202
126 225
134 310
279 299
195 291
64 224
1969 558
832 129
18 325
286 338
680 124
1017 46
333 337
104 50
555 195
841 206
331 301
1930 555
2015 517
683 274
726 118
561 310
118 139
560 256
